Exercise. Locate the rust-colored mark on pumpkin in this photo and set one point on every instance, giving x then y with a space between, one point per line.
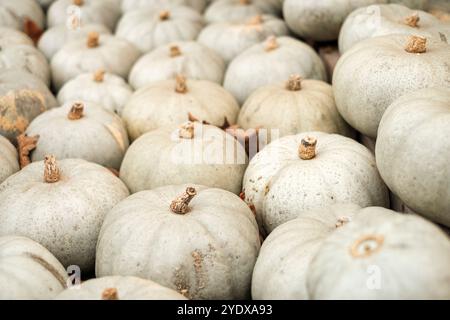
47 266
252 208
412 20
26 144
266 190
110 294
198 267
242 195
32 29
180 283
366 246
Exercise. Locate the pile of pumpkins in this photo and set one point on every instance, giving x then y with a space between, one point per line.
204 149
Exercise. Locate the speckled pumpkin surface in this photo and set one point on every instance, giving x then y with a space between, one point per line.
9 161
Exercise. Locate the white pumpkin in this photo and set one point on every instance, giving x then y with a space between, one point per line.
81 130
270 62
190 58
106 89
291 107
129 5
376 71
150 28
12 37
202 242
413 4
9 160
105 52
28 271
380 20
194 153
232 38
413 151
382 255
45 3
307 171
15 14
61 206
23 96
169 102
282 264
27 58
56 37
240 10
72 12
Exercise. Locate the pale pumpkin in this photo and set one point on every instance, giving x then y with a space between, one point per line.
307 171
106 89
56 37
202 242
440 9
413 151
128 5
380 20
150 28
291 107
240 10
119 288
96 51
9 160
28 271
12 37
382 255
20 14
169 102
194 153
61 206
376 71
27 58
271 61
190 58
71 12
45 3
232 38
23 96
81 130
282 264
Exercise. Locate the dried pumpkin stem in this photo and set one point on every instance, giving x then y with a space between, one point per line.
180 84
294 83
51 170
186 130
245 2
164 15
110 294
412 20
93 39
255 21
174 51
26 144
76 112
271 43
416 44
341 221
78 2
307 149
366 245
99 75
181 204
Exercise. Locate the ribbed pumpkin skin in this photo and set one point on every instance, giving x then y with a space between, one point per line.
413 151
9 162
128 288
397 263
376 71
128 5
28 271
13 13
282 264
12 37
64 216
207 253
236 11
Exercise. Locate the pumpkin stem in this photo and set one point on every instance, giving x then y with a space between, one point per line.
186 130
26 144
99 75
412 20
416 44
181 204
307 149
51 170
164 15
93 39
255 21
367 245
180 84
174 51
78 2
294 83
342 221
245 2
110 294
76 112
271 43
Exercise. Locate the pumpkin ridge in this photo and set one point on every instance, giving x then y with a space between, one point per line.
48 267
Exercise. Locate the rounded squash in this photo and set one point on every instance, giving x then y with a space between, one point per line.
25 15
12 37
9 159
271 61
190 58
61 206
202 242
376 71
128 5
413 151
241 10
307 171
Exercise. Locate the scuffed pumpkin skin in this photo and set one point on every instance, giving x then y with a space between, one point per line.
9 160
207 253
